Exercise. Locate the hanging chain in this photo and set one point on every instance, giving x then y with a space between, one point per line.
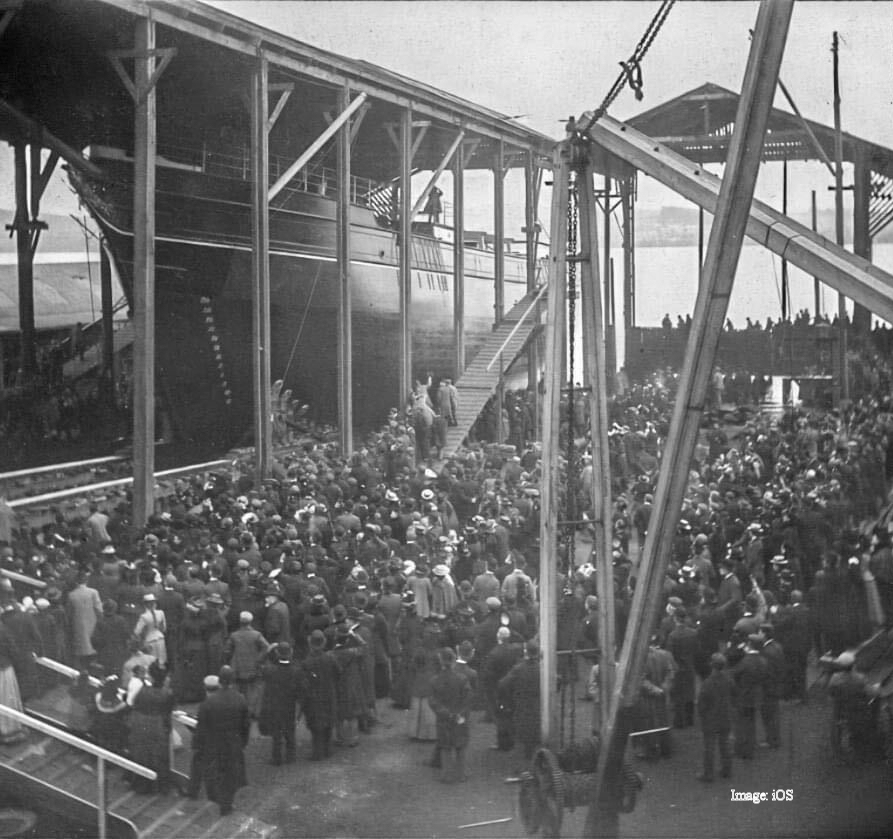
631 73
571 482
572 476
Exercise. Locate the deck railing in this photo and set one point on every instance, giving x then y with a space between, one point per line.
84 489
102 756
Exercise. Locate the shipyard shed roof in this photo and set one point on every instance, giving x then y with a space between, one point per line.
55 69
700 122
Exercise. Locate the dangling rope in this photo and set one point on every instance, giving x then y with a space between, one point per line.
303 321
631 73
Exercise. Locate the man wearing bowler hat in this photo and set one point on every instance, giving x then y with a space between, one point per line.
282 693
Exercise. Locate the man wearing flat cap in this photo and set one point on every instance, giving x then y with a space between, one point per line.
198 774
246 650
222 731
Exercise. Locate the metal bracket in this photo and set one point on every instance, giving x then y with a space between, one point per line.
166 53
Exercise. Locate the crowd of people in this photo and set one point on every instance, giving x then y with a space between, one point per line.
345 582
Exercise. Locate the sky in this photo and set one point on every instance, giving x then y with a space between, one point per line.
544 61
548 60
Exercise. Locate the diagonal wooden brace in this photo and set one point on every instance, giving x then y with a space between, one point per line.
139 94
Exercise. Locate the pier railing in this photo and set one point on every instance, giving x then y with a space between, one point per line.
103 756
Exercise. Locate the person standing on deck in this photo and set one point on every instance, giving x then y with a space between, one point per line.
434 206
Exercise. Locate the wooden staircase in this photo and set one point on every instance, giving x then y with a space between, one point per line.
477 384
62 778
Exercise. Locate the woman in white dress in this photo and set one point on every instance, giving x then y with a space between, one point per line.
150 629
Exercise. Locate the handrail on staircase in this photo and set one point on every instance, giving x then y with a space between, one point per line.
517 326
102 756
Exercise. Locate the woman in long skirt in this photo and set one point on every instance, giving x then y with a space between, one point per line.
422 722
150 731
11 731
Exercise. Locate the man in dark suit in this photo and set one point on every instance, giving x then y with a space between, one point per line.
499 661
683 644
320 678
450 700
798 640
715 713
728 596
282 692
772 691
750 678
520 689
223 728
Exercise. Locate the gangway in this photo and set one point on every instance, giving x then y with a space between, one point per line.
502 348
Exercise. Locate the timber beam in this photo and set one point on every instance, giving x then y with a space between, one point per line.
851 275
717 278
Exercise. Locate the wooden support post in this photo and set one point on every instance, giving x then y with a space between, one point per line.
842 379
610 350
107 379
629 263
405 242
101 806
861 235
785 290
25 259
500 403
260 286
700 240
530 236
555 327
459 261
596 377
144 274
530 222
345 332
499 232
723 250
816 282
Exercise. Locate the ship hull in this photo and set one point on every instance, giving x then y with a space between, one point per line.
203 304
